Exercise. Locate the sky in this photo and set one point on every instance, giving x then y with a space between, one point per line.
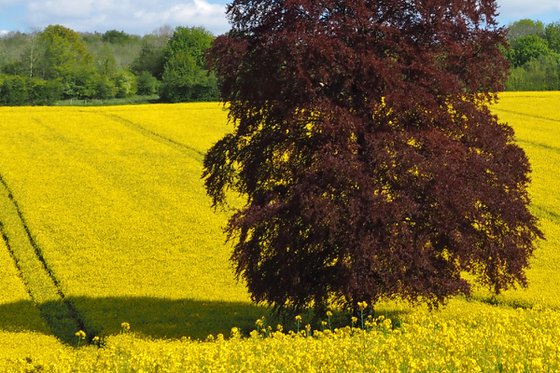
144 16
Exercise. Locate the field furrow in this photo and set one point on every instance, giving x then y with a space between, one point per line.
40 282
528 115
539 145
196 154
23 332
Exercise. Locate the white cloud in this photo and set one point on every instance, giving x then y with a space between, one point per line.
4 32
195 13
144 16
512 10
140 16
60 8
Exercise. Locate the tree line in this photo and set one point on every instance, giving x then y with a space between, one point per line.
534 56
58 63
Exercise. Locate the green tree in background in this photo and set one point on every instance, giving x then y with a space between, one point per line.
17 53
534 56
150 56
542 73
147 84
525 27
125 83
16 90
63 56
116 37
185 77
527 48
552 32
105 61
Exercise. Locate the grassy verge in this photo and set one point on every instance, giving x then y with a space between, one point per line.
134 100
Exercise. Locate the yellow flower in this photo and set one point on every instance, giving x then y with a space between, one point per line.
329 314
298 318
80 334
362 305
125 326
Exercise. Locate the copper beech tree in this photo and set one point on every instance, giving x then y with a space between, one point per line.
363 143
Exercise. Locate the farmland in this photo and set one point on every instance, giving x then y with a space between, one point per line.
105 221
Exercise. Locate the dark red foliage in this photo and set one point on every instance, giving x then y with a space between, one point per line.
371 163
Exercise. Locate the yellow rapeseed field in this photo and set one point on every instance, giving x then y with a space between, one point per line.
22 331
103 209
122 218
536 120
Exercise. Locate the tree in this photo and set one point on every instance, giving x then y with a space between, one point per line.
552 32
125 83
525 27
147 84
116 37
14 91
541 74
185 77
63 56
363 143
23 90
150 58
527 48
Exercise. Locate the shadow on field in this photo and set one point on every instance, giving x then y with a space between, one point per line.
500 300
20 317
151 317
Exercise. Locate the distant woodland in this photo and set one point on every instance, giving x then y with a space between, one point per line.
58 64
42 68
534 56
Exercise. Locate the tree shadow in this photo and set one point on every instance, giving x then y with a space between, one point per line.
500 300
21 316
149 317
157 318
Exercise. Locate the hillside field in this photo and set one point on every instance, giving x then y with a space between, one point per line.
105 221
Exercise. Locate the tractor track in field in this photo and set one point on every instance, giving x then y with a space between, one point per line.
40 282
540 145
15 259
526 115
183 148
534 143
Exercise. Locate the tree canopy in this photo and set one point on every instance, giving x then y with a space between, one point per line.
185 77
527 48
525 27
63 53
363 143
